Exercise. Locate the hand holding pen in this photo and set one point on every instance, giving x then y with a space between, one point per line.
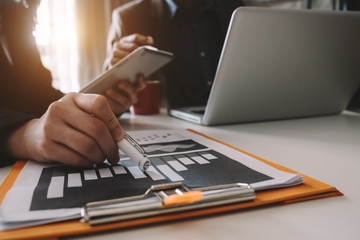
78 130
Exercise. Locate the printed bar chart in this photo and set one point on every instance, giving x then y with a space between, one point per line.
186 161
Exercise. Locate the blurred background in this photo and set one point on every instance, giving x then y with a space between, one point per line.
71 34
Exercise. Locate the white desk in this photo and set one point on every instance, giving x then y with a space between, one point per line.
325 148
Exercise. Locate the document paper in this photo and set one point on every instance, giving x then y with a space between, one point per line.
46 193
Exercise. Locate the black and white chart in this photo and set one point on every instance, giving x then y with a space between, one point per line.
44 192
182 161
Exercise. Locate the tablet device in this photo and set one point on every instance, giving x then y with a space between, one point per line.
144 60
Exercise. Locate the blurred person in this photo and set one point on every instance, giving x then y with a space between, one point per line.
194 30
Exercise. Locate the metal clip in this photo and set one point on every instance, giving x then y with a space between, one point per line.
163 199
135 144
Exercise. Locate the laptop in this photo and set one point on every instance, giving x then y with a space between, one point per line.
281 64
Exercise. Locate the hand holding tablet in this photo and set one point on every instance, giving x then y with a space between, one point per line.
144 60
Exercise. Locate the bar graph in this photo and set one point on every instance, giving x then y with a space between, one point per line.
186 161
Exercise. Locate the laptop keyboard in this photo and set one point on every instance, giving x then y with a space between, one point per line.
199 111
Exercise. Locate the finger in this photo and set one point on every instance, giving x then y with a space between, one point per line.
115 106
120 98
123 92
120 53
100 108
127 46
72 158
126 88
63 154
150 40
97 141
80 143
141 83
114 61
132 42
139 39
101 125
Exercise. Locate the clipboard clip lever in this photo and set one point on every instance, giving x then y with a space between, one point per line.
164 199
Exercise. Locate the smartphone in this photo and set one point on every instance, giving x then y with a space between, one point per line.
143 60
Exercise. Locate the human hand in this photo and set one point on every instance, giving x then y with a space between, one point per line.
124 94
128 44
78 130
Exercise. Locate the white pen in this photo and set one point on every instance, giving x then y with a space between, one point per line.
135 152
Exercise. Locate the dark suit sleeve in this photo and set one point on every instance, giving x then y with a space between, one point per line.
114 35
9 121
25 84
132 17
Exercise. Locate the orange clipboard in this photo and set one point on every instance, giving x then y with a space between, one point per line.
310 189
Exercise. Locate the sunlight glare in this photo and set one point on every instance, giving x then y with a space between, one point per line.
60 28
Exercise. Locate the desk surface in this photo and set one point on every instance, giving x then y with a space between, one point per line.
325 148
